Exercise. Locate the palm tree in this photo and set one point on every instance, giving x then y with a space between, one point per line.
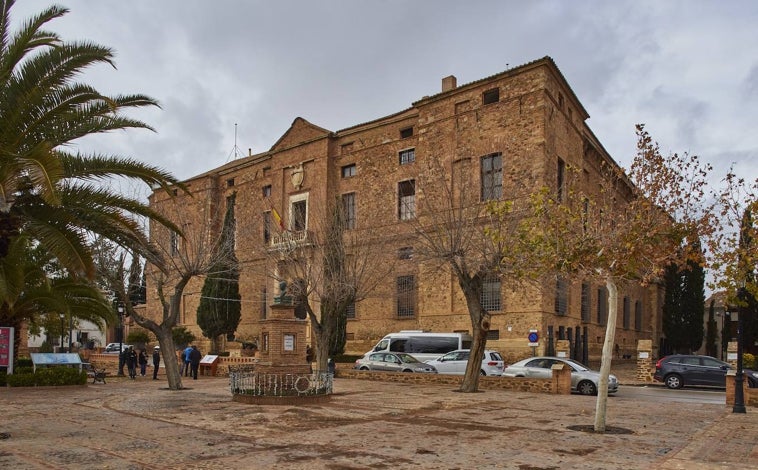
47 192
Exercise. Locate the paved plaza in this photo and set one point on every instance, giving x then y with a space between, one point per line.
141 424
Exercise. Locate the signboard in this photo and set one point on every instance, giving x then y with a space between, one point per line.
731 356
6 347
56 359
561 354
289 342
208 359
533 338
644 355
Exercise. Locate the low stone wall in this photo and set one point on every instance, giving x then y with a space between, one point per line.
110 362
559 384
750 394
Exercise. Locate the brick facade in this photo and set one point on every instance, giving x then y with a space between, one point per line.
528 114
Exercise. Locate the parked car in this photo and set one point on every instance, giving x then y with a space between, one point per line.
583 379
398 362
455 363
679 370
112 348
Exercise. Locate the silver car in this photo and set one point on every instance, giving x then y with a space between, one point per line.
455 362
583 380
397 362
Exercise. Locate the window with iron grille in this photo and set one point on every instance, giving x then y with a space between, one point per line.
348 170
491 96
267 191
407 132
299 210
492 176
638 315
174 243
491 298
561 180
348 210
561 296
407 156
602 305
586 313
407 199
350 311
405 253
406 296
493 334
627 312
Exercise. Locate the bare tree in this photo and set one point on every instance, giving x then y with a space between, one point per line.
453 227
329 268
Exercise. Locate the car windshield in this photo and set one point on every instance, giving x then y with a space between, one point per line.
407 358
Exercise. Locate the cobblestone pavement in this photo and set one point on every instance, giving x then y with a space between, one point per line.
366 425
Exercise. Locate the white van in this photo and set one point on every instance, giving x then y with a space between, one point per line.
422 345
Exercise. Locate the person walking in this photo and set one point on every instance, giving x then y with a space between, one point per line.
186 358
195 357
156 361
131 362
142 360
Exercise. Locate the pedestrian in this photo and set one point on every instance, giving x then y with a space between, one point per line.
156 361
195 360
142 360
131 362
186 358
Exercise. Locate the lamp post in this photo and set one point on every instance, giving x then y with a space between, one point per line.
70 332
120 310
739 395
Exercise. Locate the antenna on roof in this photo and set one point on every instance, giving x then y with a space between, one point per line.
236 151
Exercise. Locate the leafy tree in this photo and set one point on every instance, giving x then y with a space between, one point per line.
182 337
683 307
628 229
50 196
219 311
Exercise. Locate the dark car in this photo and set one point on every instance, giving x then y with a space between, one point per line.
679 370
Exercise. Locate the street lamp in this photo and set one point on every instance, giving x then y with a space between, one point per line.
120 310
739 395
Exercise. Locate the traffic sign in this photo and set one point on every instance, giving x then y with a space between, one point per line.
533 337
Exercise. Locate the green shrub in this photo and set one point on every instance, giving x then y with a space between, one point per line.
24 362
748 361
52 376
3 378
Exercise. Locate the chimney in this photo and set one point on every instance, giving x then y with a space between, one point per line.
449 83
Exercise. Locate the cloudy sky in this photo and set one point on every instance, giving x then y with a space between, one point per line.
688 69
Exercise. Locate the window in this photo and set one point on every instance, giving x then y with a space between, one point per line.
561 180
492 176
405 253
638 315
407 156
264 304
406 296
230 182
491 96
348 210
406 209
174 243
602 305
407 132
586 314
491 334
299 213
267 191
348 170
350 311
267 226
627 312
490 297
561 296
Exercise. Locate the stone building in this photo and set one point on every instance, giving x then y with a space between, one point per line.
523 121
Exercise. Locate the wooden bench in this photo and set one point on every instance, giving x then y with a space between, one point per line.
98 376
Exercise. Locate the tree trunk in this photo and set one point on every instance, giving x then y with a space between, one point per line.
480 324
168 351
605 362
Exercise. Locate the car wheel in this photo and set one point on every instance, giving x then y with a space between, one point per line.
481 372
407 370
363 368
586 387
673 381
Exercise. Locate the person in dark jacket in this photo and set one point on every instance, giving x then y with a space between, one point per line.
142 360
156 361
195 357
131 362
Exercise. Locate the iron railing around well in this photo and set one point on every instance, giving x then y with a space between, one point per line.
244 380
